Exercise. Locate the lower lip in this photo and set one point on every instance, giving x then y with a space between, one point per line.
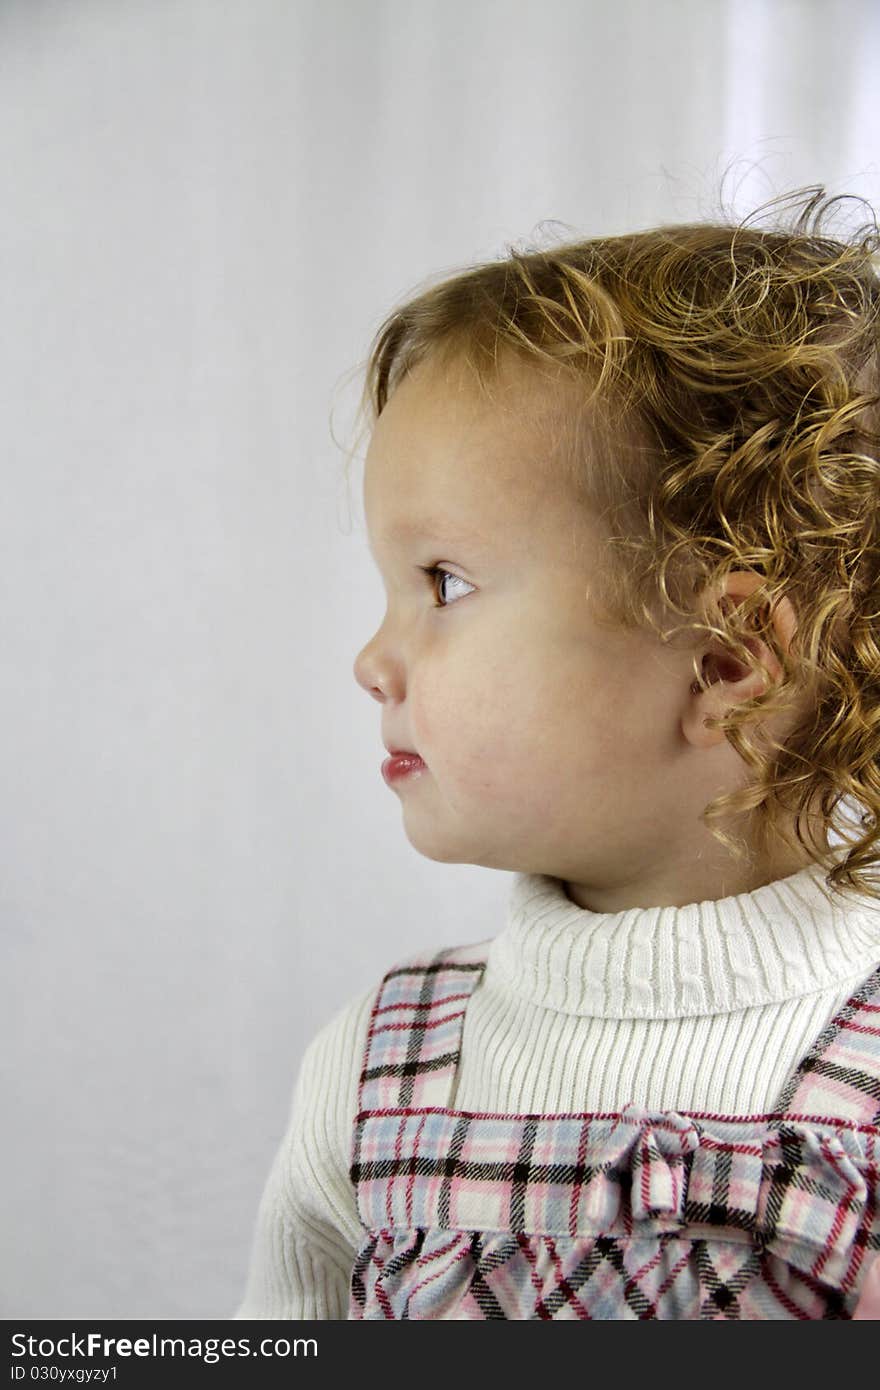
401 765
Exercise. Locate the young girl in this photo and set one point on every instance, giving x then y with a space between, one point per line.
624 498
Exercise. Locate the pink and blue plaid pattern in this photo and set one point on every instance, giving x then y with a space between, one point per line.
635 1214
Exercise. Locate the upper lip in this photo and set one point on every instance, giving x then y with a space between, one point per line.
396 751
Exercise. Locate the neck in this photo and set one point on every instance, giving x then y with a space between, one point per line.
690 876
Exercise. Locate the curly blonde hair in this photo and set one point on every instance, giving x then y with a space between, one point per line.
726 377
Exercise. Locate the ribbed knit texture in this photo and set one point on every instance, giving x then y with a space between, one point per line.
707 1007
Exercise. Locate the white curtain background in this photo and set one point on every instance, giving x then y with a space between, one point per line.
207 207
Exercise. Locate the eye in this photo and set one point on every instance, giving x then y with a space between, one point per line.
437 574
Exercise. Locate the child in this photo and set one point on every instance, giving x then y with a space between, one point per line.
623 495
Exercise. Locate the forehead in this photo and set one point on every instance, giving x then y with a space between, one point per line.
445 459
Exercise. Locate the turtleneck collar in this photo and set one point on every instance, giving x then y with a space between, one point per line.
781 941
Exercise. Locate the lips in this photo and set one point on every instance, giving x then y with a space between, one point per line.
402 765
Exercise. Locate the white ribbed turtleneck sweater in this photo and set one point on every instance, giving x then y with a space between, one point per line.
707 1007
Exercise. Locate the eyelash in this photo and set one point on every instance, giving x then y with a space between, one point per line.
435 571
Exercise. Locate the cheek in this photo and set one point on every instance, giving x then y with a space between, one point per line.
493 717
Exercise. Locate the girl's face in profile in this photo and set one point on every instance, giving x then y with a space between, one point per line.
551 744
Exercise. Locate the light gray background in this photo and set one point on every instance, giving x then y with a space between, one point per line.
207 206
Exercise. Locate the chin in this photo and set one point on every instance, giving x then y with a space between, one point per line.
441 854
450 852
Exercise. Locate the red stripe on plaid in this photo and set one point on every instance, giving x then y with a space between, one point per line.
861 1028
857 1127
710 1141
398 1149
564 1286
634 1283
673 1275
422 1284
788 1304
541 1310
412 1180
586 1115
844 1207
425 1005
423 1027
577 1187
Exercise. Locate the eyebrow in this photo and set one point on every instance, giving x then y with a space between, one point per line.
435 526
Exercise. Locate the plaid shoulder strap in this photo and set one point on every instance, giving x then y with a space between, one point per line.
414 1039
839 1078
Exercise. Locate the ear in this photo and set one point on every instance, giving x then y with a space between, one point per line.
730 680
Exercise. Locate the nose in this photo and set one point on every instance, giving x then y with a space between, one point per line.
373 669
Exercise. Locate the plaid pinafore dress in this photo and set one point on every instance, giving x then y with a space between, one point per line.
631 1214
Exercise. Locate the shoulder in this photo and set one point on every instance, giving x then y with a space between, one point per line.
313 1165
326 1097
309 1227
332 1061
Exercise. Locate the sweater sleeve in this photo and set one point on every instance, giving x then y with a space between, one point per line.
308 1229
